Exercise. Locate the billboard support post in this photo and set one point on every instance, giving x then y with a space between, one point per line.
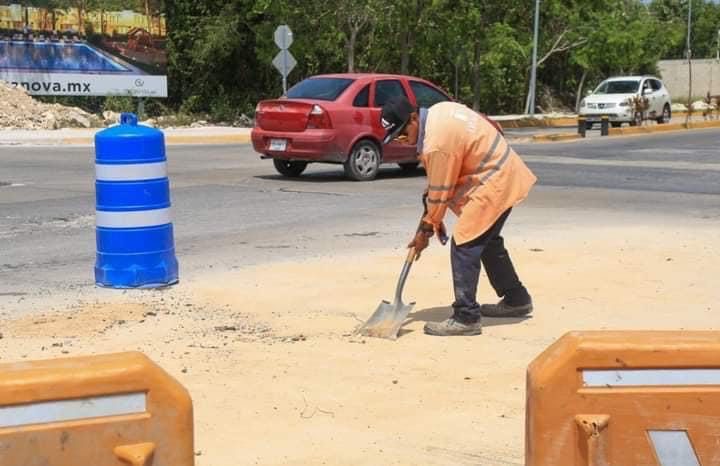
141 108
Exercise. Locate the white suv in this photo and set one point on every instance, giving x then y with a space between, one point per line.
612 98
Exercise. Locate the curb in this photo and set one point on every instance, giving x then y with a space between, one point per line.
169 140
537 123
556 122
219 139
663 128
556 137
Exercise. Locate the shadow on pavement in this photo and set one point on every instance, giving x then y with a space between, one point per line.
339 176
438 314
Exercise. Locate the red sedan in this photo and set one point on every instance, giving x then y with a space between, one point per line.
336 119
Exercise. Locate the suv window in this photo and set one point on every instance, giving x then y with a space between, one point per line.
647 86
386 89
656 85
319 88
618 87
425 95
362 99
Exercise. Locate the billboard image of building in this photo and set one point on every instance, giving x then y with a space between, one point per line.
78 47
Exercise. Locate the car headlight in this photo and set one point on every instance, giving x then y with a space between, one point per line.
582 103
592 105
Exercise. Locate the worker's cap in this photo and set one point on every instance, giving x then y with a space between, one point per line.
395 116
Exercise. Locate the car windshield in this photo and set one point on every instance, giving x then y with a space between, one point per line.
618 87
319 88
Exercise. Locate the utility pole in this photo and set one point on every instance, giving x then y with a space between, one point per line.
717 55
689 58
533 73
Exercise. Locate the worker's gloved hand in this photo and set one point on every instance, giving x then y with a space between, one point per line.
442 234
421 239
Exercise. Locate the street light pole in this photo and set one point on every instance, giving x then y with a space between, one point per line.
689 58
533 72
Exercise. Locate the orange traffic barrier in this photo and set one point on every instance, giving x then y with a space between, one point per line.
625 399
109 410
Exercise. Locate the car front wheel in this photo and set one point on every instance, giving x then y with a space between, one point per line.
666 115
291 169
363 163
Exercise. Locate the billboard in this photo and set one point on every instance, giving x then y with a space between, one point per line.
84 47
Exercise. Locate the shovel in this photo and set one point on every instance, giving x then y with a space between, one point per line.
388 318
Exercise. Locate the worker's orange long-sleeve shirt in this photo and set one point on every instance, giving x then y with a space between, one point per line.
471 169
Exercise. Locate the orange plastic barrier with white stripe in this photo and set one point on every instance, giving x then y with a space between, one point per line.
109 410
625 399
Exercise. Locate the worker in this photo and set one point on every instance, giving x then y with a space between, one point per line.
472 170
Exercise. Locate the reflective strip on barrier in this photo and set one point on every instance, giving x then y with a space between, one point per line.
673 448
110 409
650 377
130 172
72 410
132 219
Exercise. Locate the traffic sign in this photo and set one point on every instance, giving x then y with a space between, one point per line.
283 37
284 62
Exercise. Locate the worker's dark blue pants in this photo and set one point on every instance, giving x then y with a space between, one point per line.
489 250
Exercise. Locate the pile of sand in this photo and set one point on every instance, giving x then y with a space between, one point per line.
18 110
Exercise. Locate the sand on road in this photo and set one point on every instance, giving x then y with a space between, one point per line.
278 377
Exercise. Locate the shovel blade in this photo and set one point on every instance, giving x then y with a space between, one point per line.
386 320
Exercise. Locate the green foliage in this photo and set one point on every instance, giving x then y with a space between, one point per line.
220 51
120 104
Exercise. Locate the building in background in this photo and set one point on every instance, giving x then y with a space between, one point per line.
706 77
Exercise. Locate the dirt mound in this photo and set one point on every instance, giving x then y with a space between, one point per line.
18 110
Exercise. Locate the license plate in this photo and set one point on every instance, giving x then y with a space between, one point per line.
278 144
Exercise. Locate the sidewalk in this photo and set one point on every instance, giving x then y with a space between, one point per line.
518 128
204 135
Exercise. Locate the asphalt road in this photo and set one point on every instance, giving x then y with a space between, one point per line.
680 162
232 210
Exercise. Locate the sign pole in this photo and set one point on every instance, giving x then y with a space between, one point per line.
284 72
284 61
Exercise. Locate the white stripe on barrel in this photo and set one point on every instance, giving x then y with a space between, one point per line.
650 377
133 219
72 410
130 172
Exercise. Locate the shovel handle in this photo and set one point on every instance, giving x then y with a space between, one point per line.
411 255
403 275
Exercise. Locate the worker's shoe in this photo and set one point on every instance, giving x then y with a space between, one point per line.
502 309
453 327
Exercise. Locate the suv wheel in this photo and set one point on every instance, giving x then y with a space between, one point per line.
363 163
666 115
291 169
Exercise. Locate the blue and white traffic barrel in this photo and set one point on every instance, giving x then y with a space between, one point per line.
134 232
